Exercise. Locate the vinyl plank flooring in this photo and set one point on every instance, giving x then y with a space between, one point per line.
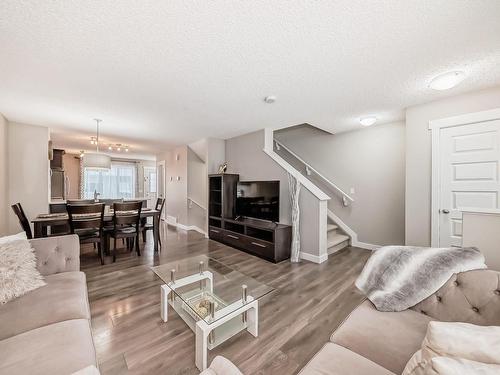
295 320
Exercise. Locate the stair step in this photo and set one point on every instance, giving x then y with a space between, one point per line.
331 227
336 239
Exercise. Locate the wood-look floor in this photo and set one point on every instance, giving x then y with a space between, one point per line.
295 321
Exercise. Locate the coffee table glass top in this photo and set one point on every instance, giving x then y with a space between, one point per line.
194 292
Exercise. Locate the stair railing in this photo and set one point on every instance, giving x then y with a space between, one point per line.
346 198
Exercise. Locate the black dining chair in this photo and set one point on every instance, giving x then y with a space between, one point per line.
23 220
160 202
87 220
126 224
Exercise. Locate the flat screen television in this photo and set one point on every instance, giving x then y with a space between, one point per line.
259 200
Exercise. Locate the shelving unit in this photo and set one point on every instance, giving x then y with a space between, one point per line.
267 240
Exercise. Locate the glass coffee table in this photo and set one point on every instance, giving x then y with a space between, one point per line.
215 301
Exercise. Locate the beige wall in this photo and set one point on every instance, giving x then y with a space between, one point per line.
418 155
71 164
370 160
176 190
4 207
28 173
196 189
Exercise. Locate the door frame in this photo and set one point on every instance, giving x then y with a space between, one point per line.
161 163
435 127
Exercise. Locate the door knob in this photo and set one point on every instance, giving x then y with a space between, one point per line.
445 211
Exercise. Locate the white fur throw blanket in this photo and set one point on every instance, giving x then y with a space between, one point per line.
398 277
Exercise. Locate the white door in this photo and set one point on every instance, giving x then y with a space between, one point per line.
468 175
150 185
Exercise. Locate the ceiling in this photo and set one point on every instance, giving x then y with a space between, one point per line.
161 73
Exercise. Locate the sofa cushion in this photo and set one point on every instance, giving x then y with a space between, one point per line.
63 298
387 338
59 348
334 359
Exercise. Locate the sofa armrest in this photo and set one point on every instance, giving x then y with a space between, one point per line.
57 254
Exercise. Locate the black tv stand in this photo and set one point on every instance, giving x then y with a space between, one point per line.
265 239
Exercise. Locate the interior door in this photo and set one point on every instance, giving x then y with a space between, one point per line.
150 186
469 175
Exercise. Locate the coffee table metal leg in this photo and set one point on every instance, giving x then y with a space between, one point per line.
165 291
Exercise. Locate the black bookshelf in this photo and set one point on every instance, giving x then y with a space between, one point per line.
267 240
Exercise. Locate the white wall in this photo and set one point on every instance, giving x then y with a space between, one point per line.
4 196
370 160
176 190
418 155
28 170
196 189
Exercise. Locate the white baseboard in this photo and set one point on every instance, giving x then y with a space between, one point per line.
313 258
364 245
173 222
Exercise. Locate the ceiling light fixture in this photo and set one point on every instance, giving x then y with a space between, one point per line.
82 153
270 99
97 160
368 121
447 80
110 148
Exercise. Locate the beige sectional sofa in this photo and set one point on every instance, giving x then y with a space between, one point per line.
381 343
47 331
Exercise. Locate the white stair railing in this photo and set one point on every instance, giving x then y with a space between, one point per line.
346 198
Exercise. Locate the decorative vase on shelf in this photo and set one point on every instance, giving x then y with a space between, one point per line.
223 168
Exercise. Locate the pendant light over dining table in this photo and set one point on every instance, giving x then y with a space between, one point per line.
97 160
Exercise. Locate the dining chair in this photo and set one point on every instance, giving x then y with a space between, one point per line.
23 220
126 224
87 220
160 202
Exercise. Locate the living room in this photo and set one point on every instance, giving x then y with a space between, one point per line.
250 187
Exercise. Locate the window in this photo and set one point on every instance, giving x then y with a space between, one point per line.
118 182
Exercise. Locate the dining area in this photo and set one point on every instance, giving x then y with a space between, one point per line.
109 225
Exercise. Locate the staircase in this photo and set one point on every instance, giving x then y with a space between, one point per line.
336 238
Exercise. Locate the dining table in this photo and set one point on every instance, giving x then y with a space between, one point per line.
43 222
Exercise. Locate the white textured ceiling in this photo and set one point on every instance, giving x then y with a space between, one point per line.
170 72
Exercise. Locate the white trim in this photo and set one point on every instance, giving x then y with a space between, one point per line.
351 233
191 200
435 127
468 118
482 211
173 222
313 258
311 168
367 246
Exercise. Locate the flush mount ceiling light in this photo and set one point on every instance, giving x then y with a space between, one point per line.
270 99
447 80
368 121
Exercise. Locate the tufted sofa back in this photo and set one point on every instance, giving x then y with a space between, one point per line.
470 297
57 254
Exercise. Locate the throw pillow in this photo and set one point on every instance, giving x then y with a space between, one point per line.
458 340
18 273
454 366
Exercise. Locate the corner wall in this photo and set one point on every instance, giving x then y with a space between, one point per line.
418 155
28 170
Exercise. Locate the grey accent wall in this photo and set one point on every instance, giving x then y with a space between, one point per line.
245 157
370 160
4 197
418 155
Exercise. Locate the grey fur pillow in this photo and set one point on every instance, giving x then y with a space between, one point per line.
18 273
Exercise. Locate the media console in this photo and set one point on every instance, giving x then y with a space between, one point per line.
264 239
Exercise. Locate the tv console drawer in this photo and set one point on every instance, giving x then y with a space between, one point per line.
233 239
215 233
265 249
